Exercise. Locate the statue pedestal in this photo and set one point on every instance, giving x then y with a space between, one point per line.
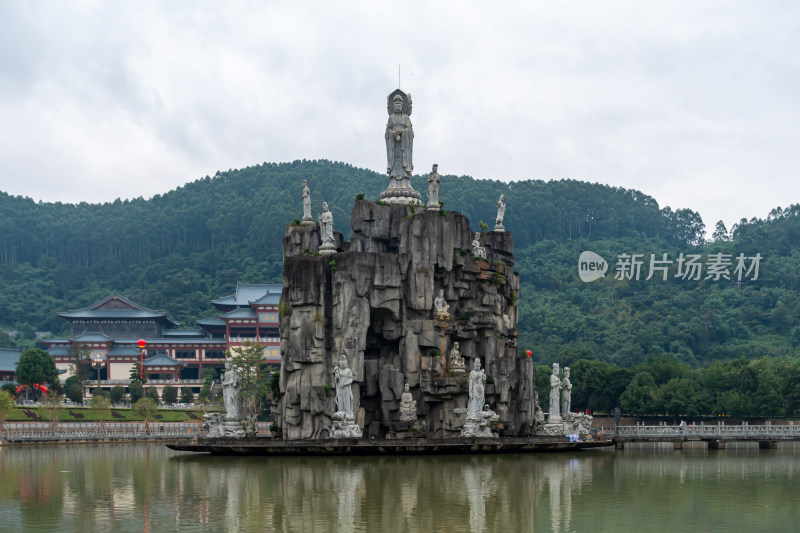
499 227
327 248
401 196
307 221
433 207
232 427
344 426
551 428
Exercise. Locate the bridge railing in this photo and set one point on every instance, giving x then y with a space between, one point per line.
95 430
713 430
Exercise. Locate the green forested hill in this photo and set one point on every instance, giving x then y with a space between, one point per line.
176 251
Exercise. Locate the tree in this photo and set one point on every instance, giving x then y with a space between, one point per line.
152 393
81 366
117 394
136 391
639 396
253 380
36 366
52 407
187 395
137 376
720 232
6 406
169 395
145 409
73 390
101 406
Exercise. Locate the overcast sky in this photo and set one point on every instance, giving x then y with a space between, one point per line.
696 103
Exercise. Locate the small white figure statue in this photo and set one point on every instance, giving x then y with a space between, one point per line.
456 361
555 394
343 379
408 406
477 381
440 307
230 392
307 218
566 393
433 188
501 211
326 231
478 251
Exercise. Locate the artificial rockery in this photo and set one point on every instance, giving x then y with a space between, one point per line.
402 310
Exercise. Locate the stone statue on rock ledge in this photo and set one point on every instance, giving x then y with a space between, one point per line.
479 416
433 189
344 426
408 406
566 393
440 307
307 218
555 395
399 151
326 231
232 422
478 251
456 361
477 382
501 211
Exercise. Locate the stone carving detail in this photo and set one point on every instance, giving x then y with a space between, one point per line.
326 231
440 307
566 393
433 189
501 211
456 361
399 151
212 423
555 395
307 218
408 406
478 251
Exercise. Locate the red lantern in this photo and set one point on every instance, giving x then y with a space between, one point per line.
142 343
530 353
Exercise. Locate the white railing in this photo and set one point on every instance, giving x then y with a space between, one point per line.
193 381
713 430
255 339
94 430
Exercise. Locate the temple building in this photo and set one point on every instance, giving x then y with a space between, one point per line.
108 332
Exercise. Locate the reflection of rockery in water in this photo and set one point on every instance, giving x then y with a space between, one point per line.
478 483
563 477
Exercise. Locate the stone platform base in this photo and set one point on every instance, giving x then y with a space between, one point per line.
421 446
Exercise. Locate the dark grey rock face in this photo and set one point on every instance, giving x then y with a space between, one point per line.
374 300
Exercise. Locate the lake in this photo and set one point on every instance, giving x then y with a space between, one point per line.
146 487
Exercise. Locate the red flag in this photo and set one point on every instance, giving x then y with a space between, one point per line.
529 353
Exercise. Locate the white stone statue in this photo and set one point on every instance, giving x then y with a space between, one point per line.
456 361
440 307
230 392
399 150
408 406
343 379
212 423
477 381
566 393
433 189
307 218
326 231
501 211
478 251
555 394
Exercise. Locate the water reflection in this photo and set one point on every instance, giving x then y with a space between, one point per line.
149 488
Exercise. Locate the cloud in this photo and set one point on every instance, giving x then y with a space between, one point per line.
690 102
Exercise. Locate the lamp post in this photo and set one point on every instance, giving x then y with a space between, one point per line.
141 343
98 362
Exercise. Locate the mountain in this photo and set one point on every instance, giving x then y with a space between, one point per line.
177 251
